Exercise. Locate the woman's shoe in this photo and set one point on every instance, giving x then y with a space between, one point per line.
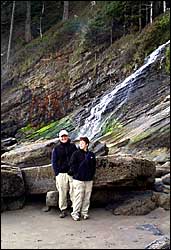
63 214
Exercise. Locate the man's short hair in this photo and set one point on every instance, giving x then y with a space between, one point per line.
85 139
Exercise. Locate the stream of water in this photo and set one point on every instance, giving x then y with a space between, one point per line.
93 124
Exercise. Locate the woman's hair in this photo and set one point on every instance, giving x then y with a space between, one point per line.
84 138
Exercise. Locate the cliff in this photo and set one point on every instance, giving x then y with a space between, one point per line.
59 82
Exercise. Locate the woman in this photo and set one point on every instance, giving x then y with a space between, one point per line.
83 166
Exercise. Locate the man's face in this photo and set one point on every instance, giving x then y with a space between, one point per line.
83 145
63 138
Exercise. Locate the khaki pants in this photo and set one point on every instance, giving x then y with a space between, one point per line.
82 194
63 185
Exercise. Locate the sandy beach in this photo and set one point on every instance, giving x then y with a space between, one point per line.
31 228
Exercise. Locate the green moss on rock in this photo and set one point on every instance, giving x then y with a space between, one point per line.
48 131
112 126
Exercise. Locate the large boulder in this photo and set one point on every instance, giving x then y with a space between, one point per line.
30 154
12 183
135 203
12 188
124 170
112 171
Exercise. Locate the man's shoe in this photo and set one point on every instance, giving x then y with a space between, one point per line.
63 214
85 217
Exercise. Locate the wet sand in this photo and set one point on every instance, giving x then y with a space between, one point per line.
31 228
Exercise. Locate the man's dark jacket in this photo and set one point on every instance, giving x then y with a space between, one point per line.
83 165
61 155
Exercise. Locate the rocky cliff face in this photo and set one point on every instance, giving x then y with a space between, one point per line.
70 81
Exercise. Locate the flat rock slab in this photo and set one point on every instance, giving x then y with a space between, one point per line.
112 171
124 170
30 154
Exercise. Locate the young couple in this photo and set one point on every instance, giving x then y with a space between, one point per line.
74 170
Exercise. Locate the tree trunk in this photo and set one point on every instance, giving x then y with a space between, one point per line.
164 6
146 14
132 18
43 8
124 25
28 35
151 12
139 19
66 10
11 30
111 32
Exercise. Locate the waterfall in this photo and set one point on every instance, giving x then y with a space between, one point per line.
93 124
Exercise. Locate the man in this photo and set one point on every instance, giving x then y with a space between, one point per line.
83 166
61 155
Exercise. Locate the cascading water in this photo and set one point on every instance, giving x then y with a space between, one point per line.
93 124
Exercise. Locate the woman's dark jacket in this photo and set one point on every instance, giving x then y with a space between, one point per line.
61 155
83 165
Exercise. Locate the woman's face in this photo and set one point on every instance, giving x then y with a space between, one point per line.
83 145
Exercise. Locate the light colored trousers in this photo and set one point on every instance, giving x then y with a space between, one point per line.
82 194
63 185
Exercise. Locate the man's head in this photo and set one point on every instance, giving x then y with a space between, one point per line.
84 142
63 136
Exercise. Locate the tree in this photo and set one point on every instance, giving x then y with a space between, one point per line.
66 10
43 8
28 35
139 18
164 6
146 14
151 12
11 30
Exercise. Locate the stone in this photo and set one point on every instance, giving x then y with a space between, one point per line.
162 169
30 154
135 203
39 179
12 182
12 188
8 142
158 185
124 170
163 200
151 228
15 203
112 171
166 179
52 198
162 158
100 149
162 243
